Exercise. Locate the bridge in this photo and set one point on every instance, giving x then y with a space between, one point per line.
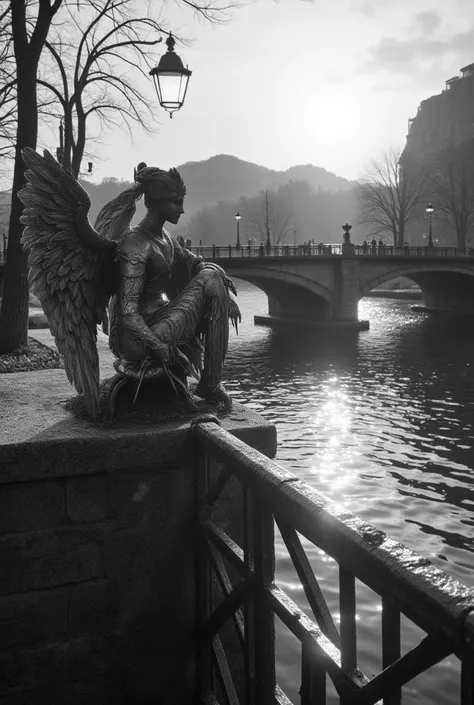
323 284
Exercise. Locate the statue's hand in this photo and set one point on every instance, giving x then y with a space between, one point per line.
161 351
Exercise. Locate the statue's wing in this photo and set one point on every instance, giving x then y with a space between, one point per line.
71 267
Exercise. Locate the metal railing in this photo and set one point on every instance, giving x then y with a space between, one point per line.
230 251
236 585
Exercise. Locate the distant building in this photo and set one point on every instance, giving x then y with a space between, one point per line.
443 119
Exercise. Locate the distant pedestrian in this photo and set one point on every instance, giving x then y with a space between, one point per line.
381 247
373 246
320 248
365 247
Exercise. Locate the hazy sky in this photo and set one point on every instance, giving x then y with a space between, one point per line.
327 82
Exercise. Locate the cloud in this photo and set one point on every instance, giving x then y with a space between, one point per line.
425 22
367 9
410 55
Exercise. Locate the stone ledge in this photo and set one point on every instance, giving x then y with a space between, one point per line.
46 444
41 439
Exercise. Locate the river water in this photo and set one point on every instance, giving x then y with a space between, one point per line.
382 422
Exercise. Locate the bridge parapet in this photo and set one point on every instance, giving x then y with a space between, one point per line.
213 252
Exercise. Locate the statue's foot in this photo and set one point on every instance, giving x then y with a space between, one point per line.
214 395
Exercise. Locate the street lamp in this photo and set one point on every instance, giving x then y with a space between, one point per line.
171 79
429 209
237 217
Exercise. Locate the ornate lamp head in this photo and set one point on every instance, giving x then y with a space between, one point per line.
171 79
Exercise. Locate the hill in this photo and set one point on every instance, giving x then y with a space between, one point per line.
224 178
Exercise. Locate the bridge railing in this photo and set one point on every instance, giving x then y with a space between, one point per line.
331 250
238 597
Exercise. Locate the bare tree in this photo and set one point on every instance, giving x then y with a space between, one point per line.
28 23
274 222
389 196
451 188
89 72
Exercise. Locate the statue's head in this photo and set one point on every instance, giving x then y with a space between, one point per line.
163 191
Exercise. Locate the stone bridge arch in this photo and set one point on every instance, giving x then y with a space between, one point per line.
448 286
290 295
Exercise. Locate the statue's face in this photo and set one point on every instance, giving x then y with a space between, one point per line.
165 197
170 210
173 210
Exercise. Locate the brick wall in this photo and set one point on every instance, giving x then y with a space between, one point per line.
97 589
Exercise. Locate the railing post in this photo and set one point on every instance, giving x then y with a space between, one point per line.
204 583
249 609
391 646
264 566
347 609
313 681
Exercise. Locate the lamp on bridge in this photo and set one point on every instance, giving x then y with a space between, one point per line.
171 79
429 209
237 217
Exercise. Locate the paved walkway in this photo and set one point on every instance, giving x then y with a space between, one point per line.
106 358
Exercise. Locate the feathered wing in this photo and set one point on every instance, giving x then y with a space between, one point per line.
71 267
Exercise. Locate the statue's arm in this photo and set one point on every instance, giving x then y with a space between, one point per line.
185 256
132 255
196 264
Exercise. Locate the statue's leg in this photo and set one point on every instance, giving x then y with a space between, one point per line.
204 300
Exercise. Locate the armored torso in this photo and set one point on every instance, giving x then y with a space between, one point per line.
147 263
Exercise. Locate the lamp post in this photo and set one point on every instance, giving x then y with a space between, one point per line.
268 243
171 79
429 209
237 217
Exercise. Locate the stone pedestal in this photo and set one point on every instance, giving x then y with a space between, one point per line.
97 547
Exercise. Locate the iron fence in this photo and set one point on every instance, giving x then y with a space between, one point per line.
236 585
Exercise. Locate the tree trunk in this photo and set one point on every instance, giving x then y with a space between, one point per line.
461 238
78 152
14 313
68 140
401 236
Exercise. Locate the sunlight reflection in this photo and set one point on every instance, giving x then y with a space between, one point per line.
336 443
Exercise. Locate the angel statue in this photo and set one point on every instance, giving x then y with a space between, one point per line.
167 311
